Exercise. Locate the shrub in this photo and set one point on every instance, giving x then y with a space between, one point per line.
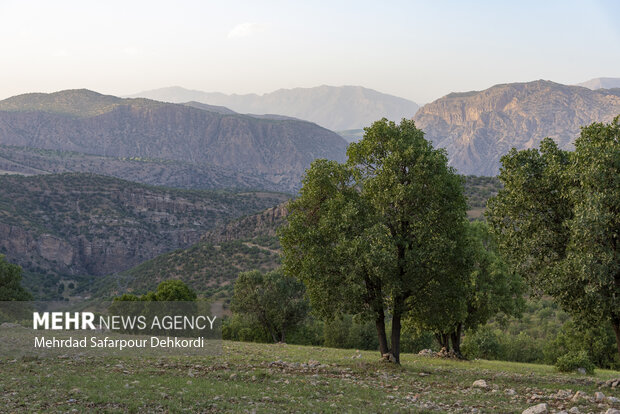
573 360
521 348
483 343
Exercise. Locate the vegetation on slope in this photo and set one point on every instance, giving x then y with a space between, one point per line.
288 378
71 226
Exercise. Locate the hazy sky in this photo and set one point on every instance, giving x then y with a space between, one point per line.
419 50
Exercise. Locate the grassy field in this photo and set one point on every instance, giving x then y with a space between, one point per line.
285 378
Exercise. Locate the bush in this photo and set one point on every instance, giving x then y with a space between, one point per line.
413 340
244 328
521 348
483 343
573 360
346 332
597 341
309 333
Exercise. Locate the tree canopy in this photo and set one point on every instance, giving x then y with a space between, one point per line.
276 301
558 219
10 282
374 235
167 291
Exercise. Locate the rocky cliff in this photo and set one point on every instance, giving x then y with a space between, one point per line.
478 128
83 224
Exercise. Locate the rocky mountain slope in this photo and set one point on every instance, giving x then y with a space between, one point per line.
87 122
333 107
211 265
601 83
477 128
82 224
159 172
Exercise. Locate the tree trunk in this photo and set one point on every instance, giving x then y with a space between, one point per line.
456 340
380 324
398 312
615 323
443 340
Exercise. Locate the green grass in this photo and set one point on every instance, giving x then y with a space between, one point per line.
285 378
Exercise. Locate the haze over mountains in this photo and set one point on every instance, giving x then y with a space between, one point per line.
82 121
334 107
601 83
477 128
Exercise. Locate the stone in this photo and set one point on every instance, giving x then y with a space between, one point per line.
613 400
574 410
578 396
563 395
599 396
480 384
426 352
582 371
537 409
510 391
612 411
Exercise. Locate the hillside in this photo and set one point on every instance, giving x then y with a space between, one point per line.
601 83
269 378
333 107
86 122
159 172
69 225
477 128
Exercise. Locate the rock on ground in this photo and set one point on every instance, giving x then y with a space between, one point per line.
480 384
537 409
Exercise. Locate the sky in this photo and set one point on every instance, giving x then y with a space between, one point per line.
419 50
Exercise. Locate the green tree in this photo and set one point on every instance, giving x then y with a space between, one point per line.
277 301
372 236
174 290
557 221
10 282
167 291
489 288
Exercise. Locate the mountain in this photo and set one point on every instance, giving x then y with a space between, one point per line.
86 122
601 83
477 128
333 107
67 225
159 172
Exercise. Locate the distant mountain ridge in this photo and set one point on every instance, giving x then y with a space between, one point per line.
601 83
333 107
276 150
477 128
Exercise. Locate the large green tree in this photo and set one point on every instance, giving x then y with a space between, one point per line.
10 282
558 221
372 236
276 301
489 288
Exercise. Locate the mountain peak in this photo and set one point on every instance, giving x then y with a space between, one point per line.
478 127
